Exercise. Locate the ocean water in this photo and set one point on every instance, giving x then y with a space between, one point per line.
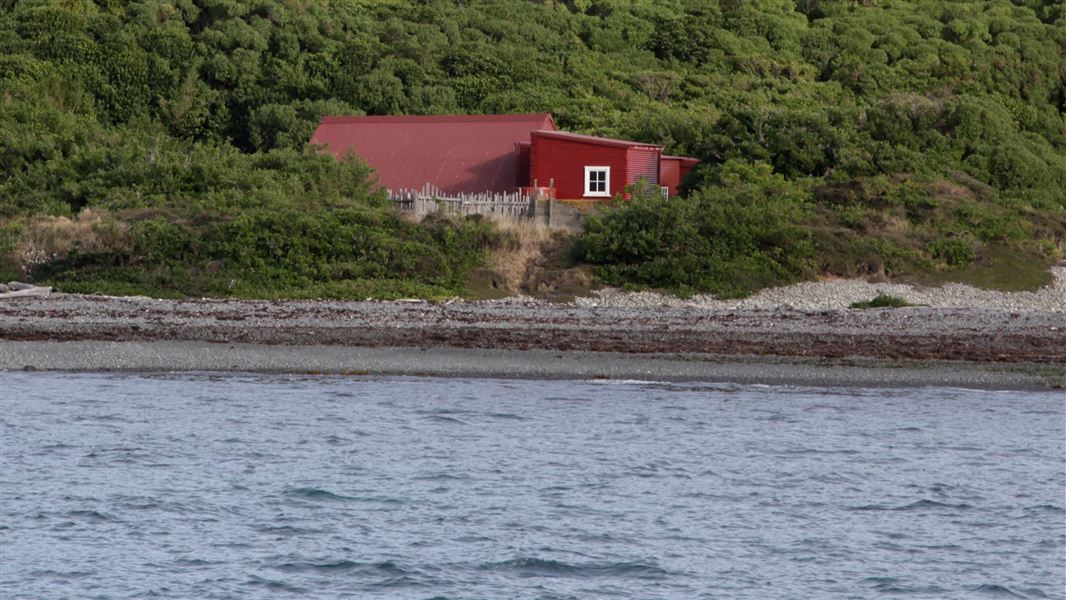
264 486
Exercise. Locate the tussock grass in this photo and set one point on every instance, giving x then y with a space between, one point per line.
1004 269
43 239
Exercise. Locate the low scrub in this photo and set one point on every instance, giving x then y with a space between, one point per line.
730 240
747 227
345 253
882 301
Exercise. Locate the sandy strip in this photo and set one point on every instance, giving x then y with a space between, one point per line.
465 362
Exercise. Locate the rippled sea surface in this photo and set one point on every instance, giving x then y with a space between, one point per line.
233 486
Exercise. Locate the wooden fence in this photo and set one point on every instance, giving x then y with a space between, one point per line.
511 205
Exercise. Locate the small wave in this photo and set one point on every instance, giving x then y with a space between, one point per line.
334 566
441 477
321 495
534 567
397 582
445 411
162 593
918 505
62 574
507 416
895 585
776 418
318 494
91 515
817 452
627 382
145 503
1051 508
288 530
58 446
444 419
272 584
101 418
195 562
933 505
997 591
340 565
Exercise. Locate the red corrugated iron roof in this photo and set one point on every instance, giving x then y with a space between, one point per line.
684 159
456 153
591 139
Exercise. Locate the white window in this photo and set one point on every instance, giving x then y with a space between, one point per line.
598 181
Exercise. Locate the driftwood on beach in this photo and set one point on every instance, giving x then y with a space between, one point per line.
24 292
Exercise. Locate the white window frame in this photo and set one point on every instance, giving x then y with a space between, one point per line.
606 193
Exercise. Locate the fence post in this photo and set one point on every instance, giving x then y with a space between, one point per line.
533 197
551 192
519 204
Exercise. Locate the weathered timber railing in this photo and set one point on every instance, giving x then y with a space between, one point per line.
509 205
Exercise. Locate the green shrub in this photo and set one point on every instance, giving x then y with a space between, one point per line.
882 301
347 253
729 241
956 252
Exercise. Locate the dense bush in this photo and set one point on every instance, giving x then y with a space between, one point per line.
918 135
279 253
741 235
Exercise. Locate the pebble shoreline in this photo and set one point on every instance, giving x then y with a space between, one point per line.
958 325
171 356
1027 326
841 293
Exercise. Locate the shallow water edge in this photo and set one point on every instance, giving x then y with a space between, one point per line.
525 364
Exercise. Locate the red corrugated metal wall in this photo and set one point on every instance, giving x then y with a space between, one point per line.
685 167
670 174
522 165
565 161
643 162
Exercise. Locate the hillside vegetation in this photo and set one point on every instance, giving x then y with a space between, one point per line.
160 147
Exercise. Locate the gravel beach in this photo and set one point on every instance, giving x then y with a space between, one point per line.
805 321
838 294
171 356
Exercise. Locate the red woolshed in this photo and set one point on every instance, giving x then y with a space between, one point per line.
588 167
672 171
455 153
498 153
